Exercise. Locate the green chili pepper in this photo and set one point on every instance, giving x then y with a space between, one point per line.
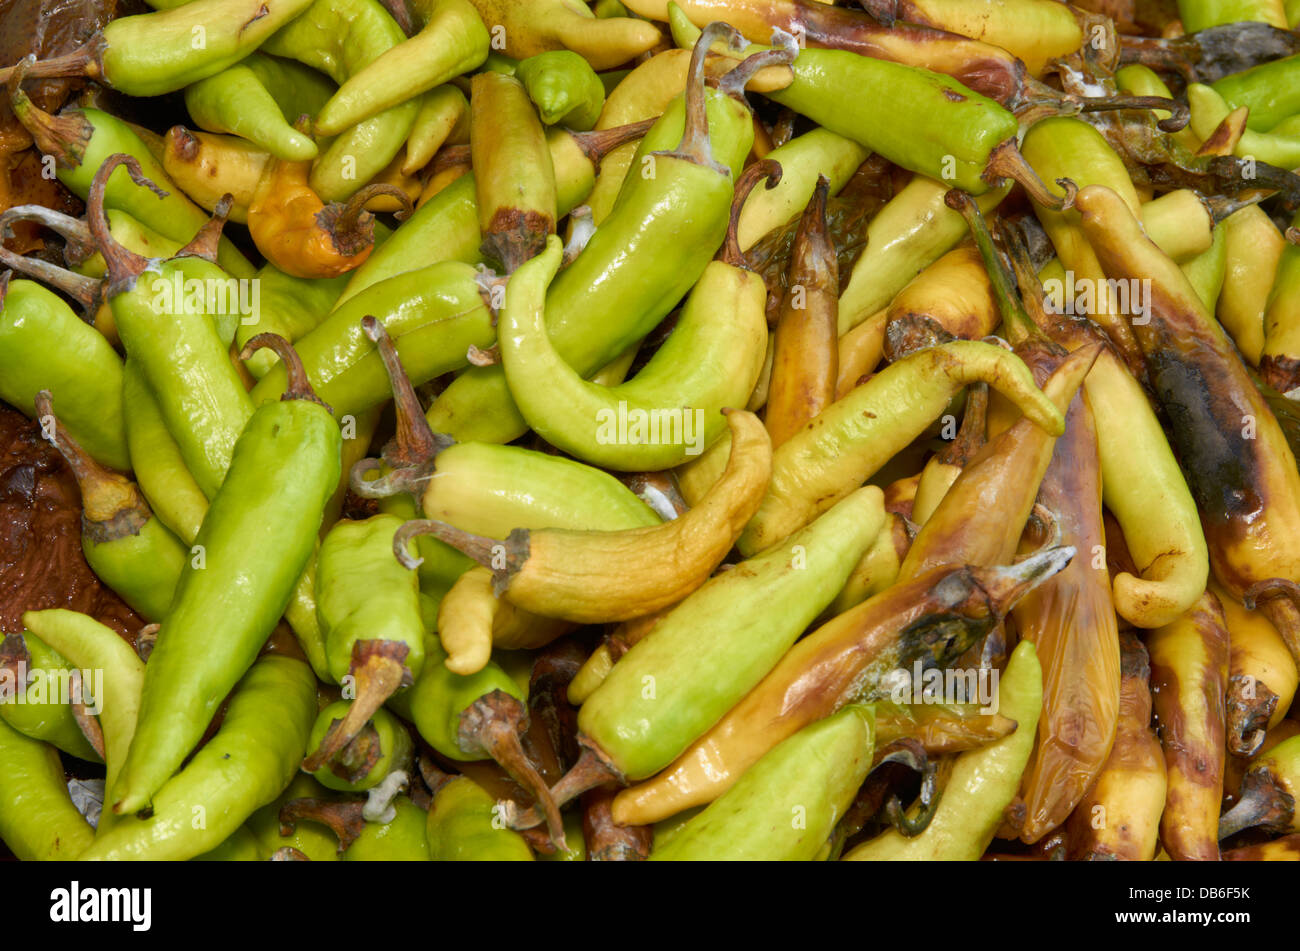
240 846
674 685
1271 90
443 118
246 764
131 551
465 825
131 234
156 53
160 470
445 228
1199 15
89 645
452 40
30 674
711 360
174 350
785 806
369 612
291 307
643 259
983 782
921 120
340 38
402 839
256 539
1279 145
235 101
564 87
475 717
316 843
1206 271
434 314
38 821
382 747
44 345
81 140
575 849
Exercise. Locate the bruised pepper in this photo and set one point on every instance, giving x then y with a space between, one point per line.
1119 817
593 577
130 550
257 538
805 362
304 236
930 620
1268 793
513 175
721 336
207 166
1238 465
1189 675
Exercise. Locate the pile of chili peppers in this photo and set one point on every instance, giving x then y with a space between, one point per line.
714 429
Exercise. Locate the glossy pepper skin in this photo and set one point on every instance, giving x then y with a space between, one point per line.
38 821
249 761
643 259
786 805
236 101
257 537
464 826
130 550
45 346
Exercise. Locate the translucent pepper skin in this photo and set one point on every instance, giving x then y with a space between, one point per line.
38 821
340 38
257 538
982 784
249 761
754 612
812 776
44 345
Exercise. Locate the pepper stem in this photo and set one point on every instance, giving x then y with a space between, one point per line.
600 142
378 670
112 506
1263 802
206 240
80 245
931 795
970 437
1017 321
297 386
344 819
769 169
349 230
85 61
123 265
492 724
734 82
1180 112
415 446
1005 161
482 549
1007 584
1279 599
65 137
84 290
695 146
87 722
1250 705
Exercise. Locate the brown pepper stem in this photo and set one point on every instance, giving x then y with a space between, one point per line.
349 225
378 670
65 137
1279 599
970 436
1005 161
482 549
1180 112
86 60
123 265
1250 705
344 818
492 724
607 841
592 770
1264 802
415 446
86 722
84 290
931 795
112 506
433 777
297 386
206 240
600 142
1006 584
74 231
355 761
17 659
769 169
288 853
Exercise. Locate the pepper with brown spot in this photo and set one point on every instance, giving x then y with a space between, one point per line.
1189 677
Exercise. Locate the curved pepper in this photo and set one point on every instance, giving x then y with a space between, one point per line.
542 25
38 821
208 166
236 101
1280 358
283 471
564 87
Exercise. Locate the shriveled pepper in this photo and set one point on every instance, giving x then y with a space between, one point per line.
982 784
1268 793
283 471
1262 676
